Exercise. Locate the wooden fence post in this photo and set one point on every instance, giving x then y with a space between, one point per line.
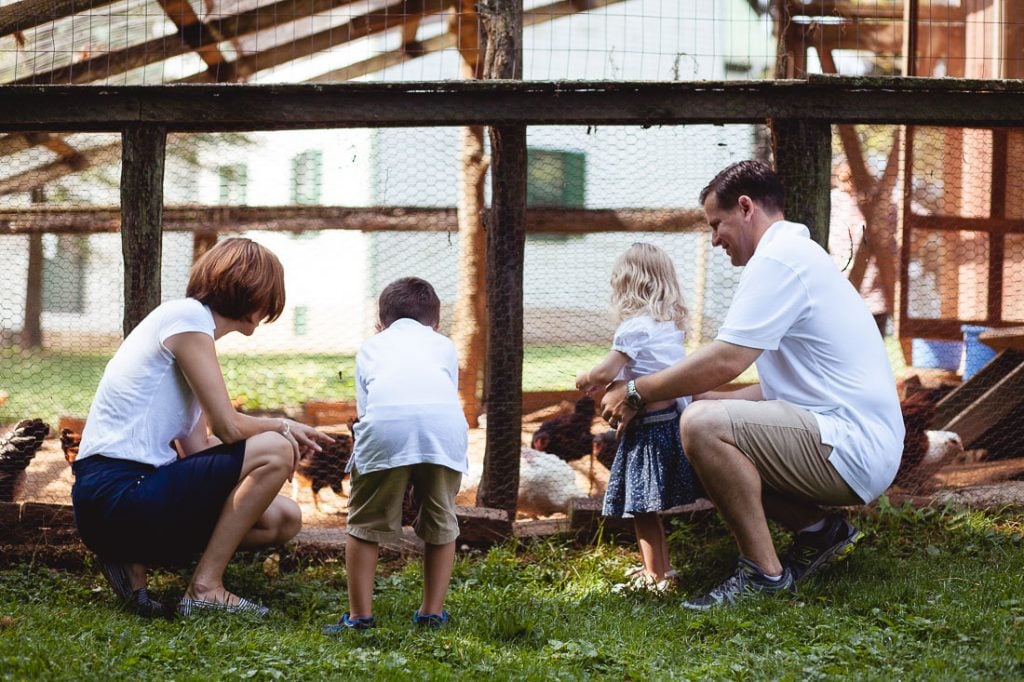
506 241
142 201
803 159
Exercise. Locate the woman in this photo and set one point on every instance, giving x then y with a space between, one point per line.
167 468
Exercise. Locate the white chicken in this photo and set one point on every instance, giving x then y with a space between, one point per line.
546 483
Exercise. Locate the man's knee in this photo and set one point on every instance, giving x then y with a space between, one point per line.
702 422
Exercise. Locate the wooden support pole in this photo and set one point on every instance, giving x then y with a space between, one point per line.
142 199
506 243
803 159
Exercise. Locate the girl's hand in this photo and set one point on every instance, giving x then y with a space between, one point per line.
583 383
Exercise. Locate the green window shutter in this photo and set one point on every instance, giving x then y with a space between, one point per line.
555 179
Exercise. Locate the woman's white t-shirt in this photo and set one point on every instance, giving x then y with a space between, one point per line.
143 402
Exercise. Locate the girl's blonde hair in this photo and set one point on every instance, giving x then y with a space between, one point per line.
644 280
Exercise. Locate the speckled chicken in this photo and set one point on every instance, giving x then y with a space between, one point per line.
17 449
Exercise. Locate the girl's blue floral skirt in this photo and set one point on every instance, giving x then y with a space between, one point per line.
650 472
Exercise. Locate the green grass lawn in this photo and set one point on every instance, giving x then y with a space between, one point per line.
50 384
933 594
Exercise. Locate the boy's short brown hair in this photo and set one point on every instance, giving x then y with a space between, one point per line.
410 297
237 278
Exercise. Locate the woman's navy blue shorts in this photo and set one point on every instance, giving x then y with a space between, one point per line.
133 512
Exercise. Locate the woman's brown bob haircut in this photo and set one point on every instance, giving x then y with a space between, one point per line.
410 297
237 278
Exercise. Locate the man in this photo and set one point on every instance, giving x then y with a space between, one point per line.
824 426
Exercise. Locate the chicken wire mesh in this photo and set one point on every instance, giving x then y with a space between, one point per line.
146 42
919 219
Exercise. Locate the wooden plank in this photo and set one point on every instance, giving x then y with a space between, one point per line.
950 223
1001 339
931 101
142 199
967 393
40 176
984 413
483 526
198 219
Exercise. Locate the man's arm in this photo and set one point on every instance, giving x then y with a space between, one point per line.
707 368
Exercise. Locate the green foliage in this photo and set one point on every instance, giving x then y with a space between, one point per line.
931 594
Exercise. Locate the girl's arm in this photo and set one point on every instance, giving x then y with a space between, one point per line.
197 358
603 373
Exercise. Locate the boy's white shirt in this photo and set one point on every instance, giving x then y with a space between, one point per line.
651 346
407 400
822 353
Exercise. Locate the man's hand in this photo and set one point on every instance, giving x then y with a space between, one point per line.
614 409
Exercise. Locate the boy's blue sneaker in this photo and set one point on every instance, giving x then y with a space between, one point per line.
345 623
430 620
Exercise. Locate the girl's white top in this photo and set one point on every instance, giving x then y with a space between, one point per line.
143 401
407 399
651 346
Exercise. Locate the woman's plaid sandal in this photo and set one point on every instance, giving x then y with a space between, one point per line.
138 601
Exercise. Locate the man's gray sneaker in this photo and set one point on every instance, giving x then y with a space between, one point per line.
748 580
813 551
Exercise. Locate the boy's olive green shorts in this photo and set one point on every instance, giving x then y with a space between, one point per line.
784 443
375 503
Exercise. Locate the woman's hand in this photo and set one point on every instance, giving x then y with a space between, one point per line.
304 439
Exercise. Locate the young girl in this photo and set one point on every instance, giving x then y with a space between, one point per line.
650 472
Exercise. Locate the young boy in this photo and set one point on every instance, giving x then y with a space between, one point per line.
411 427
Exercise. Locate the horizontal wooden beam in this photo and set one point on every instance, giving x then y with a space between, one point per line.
79 220
963 223
837 99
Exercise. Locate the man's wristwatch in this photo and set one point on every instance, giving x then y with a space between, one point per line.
633 397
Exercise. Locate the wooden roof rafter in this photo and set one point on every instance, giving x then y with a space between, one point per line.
200 35
31 13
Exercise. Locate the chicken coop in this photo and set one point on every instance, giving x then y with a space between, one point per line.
507 152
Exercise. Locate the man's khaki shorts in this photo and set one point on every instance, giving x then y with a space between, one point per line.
784 443
375 504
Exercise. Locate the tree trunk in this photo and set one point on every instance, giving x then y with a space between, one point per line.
469 327
506 241
142 198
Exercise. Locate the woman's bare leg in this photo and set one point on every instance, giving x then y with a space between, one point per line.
267 465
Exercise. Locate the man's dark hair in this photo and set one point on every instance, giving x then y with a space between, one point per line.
754 179
410 297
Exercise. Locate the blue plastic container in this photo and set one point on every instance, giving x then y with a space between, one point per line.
926 353
976 353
